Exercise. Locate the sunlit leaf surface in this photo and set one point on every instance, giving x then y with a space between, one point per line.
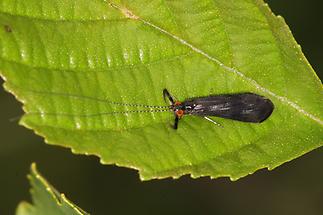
68 61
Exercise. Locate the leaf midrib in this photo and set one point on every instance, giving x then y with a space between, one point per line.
252 82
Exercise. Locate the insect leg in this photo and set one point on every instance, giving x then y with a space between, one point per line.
176 122
167 94
214 122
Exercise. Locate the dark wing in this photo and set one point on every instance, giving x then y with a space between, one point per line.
246 107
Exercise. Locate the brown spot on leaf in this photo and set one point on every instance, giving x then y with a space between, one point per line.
7 28
127 13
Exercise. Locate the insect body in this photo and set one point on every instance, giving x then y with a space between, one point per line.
245 107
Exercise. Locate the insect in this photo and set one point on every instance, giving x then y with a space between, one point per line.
245 107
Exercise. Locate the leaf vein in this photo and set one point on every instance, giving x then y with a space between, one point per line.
251 81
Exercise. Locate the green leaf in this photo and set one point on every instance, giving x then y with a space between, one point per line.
63 58
46 200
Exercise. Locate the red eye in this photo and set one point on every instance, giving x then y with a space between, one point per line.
180 113
177 103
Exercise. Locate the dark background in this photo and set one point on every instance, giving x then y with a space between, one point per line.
293 188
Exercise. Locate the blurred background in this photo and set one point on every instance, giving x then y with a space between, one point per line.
293 188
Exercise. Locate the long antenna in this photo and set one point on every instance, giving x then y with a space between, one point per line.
97 99
97 114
